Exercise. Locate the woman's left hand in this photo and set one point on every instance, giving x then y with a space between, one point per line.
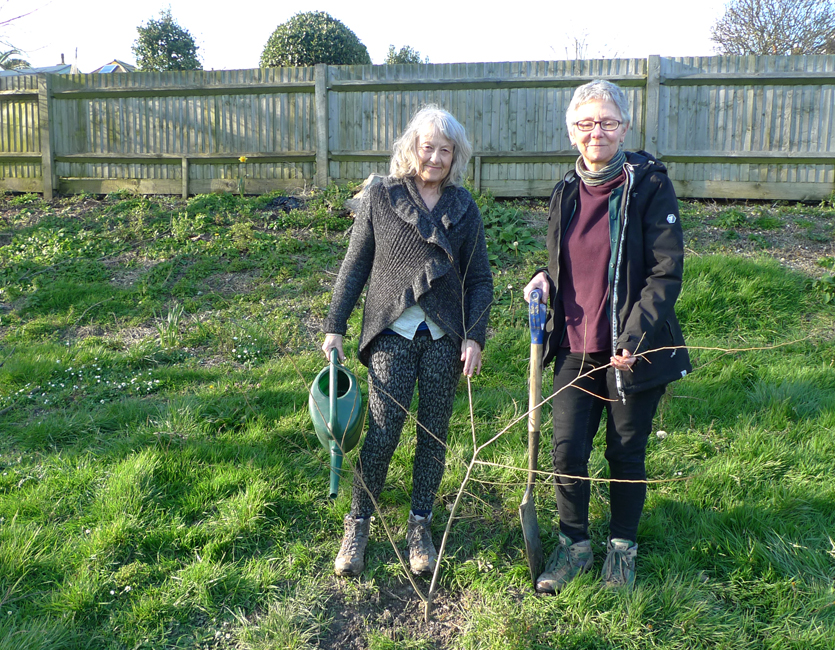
471 356
624 360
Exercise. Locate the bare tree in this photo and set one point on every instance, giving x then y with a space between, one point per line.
579 47
776 27
8 20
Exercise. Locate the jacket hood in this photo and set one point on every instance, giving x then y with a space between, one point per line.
643 163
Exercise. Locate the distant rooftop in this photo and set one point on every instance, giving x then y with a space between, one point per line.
115 66
64 68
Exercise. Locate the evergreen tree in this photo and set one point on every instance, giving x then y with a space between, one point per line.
164 45
310 38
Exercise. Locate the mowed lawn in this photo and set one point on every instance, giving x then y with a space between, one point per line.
161 485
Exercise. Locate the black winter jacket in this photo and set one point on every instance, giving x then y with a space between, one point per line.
645 270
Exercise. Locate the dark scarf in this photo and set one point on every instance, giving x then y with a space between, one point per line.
606 174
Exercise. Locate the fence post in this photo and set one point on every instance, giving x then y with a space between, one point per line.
652 124
185 178
320 77
45 127
477 173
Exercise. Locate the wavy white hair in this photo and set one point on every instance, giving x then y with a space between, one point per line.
404 157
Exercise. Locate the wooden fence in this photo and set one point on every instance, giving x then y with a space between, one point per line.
726 127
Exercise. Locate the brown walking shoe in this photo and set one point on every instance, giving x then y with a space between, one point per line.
351 558
422 554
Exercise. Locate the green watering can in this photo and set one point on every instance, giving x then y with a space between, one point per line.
335 406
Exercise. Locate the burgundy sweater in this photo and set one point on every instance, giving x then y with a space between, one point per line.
584 282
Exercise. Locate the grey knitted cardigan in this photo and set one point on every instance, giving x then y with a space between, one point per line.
408 256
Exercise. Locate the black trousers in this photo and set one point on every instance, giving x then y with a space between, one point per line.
577 410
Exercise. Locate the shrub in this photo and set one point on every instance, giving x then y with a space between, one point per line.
25 199
313 37
825 288
767 221
505 229
759 241
405 54
731 218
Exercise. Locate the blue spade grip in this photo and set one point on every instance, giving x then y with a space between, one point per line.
537 315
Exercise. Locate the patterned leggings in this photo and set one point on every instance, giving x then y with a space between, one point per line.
395 364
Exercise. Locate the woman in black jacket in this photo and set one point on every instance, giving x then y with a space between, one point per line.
613 277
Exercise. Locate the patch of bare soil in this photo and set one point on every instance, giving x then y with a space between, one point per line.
230 284
127 268
393 611
127 337
789 245
133 335
29 214
312 324
86 331
207 359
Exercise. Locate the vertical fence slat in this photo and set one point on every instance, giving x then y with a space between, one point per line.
652 120
322 158
45 122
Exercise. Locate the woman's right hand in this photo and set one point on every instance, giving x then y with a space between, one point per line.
333 342
539 281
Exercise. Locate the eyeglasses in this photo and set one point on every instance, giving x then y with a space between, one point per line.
606 125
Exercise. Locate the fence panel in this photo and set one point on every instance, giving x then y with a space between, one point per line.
749 126
20 135
145 131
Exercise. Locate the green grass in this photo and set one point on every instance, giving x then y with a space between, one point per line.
161 485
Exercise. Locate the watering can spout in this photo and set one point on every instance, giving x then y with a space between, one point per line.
336 467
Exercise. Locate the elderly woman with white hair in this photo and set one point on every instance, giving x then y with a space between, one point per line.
418 243
615 265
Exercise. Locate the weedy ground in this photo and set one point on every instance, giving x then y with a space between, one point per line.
161 485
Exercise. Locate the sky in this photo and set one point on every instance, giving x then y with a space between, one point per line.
232 35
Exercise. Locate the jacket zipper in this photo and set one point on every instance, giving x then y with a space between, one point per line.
615 324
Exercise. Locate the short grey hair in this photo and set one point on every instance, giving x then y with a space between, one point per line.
598 90
404 157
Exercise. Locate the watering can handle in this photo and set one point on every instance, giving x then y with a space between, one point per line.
333 424
332 393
